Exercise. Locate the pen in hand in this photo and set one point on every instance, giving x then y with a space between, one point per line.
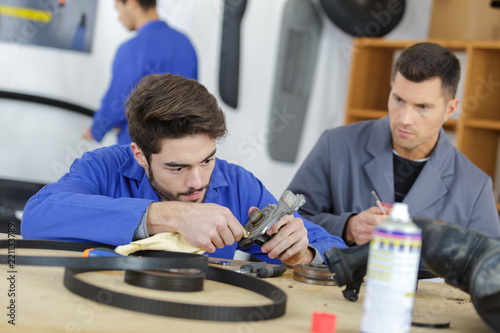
378 202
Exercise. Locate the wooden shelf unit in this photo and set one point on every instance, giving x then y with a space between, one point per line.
477 128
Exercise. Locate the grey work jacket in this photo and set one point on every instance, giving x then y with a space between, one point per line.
350 161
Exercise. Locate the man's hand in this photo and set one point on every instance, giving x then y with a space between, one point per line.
290 244
87 134
359 228
204 225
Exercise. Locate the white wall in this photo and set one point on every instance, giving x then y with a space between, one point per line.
82 79
36 145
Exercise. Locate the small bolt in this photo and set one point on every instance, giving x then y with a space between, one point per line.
255 216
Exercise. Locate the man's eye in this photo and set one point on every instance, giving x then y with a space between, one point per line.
176 170
208 161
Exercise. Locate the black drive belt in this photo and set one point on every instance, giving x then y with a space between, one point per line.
160 260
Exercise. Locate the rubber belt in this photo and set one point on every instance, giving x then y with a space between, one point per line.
160 260
170 280
46 101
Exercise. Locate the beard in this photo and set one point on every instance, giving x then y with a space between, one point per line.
166 195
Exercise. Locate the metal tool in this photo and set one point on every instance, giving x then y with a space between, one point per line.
59 29
378 202
271 271
260 269
222 263
251 268
263 220
79 38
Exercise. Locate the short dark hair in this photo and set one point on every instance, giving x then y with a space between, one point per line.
145 4
171 106
424 61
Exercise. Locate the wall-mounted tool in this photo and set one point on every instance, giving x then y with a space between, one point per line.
229 69
60 18
79 38
263 220
36 15
299 42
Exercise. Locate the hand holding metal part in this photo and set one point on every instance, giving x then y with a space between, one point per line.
262 220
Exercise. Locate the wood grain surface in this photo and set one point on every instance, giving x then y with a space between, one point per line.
43 304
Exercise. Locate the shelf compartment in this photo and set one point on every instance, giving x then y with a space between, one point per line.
481 147
482 89
366 114
371 73
485 124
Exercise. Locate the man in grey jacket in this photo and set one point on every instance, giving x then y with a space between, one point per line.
404 157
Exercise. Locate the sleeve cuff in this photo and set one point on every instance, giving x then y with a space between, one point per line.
317 259
141 231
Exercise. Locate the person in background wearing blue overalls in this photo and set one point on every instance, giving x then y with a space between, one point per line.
156 49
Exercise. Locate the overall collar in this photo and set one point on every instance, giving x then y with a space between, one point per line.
151 25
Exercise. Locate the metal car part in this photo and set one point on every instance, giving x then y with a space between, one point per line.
262 220
314 274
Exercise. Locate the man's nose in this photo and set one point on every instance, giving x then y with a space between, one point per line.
407 115
195 179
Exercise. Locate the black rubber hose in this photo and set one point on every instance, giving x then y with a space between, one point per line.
46 101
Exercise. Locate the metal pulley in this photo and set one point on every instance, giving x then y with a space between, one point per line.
314 274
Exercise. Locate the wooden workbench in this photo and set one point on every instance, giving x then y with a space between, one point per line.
43 304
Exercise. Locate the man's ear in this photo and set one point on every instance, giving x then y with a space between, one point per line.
451 107
139 155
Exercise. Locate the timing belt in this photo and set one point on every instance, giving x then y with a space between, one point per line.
160 260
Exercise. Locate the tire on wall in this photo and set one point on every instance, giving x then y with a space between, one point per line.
365 18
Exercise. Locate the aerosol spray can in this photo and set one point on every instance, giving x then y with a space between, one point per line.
391 281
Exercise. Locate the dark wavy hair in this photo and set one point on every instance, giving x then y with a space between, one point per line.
171 106
423 61
145 4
